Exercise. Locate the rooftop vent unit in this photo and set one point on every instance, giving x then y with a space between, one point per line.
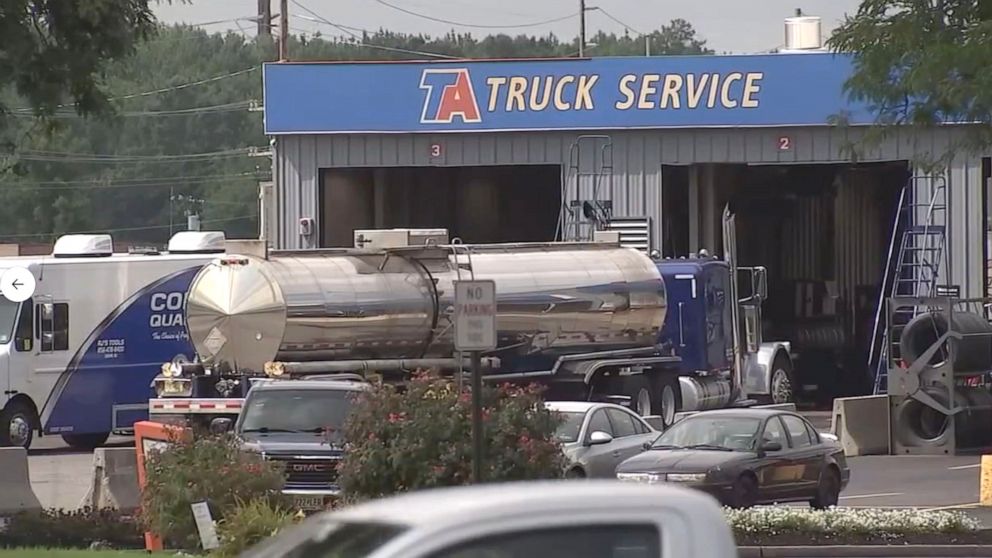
83 246
143 250
803 34
197 242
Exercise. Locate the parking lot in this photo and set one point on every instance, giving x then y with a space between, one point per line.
60 476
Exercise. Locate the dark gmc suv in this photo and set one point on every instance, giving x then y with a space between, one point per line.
301 424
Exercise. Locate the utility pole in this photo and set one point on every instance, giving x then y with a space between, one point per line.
582 28
647 45
265 18
284 30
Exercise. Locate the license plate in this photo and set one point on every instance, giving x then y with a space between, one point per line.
309 503
172 386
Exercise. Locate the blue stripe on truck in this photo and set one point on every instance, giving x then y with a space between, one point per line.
120 358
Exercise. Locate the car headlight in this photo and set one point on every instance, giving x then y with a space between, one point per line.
649 478
686 477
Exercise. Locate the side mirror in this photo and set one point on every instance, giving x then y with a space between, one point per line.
646 446
220 425
771 446
599 438
760 283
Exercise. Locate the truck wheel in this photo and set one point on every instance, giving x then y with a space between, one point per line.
85 441
17 422
638 388
669 396
781 384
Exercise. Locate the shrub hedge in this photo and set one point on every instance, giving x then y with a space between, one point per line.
421 437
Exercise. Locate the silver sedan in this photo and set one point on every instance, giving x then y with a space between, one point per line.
596 437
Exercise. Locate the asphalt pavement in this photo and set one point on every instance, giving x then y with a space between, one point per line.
60 477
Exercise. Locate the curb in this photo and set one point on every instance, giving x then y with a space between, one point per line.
867 551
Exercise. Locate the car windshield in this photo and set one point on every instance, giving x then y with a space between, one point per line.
321 411
8 315
717 433
316 538
568 430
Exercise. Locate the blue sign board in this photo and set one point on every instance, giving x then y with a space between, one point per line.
564 94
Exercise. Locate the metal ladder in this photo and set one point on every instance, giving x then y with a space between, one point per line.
917 266
579 217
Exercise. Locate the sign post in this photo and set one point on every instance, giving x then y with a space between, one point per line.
475 331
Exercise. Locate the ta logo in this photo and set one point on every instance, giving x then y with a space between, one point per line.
449 95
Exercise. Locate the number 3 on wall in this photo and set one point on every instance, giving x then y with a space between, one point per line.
784 143
435 150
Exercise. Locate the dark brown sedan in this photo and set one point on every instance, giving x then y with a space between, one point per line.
745 457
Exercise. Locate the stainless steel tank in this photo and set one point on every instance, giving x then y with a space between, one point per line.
327 305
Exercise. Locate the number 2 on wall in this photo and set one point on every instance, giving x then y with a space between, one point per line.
784 143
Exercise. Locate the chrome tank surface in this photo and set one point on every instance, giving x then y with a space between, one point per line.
328 305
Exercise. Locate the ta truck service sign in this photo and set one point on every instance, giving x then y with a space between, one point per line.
563 94
107 383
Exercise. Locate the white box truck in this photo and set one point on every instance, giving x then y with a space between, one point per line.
78 357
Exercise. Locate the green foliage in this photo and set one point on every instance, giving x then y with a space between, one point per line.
917 64
51 48
249 523
73 529
184 91
211 469
421 437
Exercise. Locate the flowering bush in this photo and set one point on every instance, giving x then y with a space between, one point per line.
213 469
840 522
421 436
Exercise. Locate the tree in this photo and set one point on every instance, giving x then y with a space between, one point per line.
184 91
920 62
55 51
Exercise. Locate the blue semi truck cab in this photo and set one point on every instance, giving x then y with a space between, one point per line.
700 328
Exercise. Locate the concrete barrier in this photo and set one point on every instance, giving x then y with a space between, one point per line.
114 483
862 425
15 482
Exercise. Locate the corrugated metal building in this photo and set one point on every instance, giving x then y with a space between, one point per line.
500 151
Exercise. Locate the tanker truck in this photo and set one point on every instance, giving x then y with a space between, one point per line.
590 320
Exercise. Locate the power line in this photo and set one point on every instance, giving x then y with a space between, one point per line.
56 156
478 26
213 109
361 40
164 89
126 229
617 20
194 177
158 183
361 44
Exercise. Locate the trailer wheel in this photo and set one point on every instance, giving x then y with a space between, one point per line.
669 394
17 424
638 388
85 441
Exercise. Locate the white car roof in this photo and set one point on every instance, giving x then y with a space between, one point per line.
580 406
441 508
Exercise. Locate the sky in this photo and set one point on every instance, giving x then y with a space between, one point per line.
735 26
